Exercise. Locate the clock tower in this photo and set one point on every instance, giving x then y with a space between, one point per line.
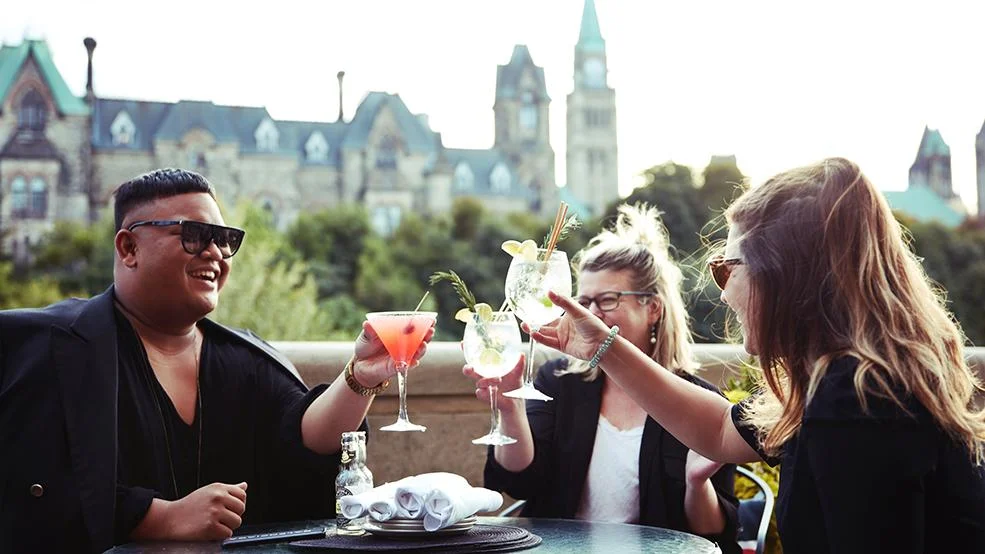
591 161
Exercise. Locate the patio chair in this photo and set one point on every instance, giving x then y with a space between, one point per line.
754 514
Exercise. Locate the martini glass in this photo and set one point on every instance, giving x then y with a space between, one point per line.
527 284
492 347
402 334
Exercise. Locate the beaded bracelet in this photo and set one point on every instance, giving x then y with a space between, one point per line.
603 347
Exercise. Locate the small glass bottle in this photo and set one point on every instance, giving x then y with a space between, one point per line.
353 478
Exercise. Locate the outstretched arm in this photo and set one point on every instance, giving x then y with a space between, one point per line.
697 417
339 408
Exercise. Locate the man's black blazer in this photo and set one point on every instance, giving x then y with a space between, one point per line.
58 423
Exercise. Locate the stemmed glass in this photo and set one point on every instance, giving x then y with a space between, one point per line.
527 284
492 347
402 334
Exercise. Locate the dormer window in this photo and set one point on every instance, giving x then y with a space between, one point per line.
500 178
267 136
122 129
33 112
528 112
386 153
464 178
316 148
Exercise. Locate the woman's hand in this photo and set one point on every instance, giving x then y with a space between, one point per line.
373 363
506 383
577 333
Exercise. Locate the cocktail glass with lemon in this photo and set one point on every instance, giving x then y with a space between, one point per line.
528 281
402 334
492 346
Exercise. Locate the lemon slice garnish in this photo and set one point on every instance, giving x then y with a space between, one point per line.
484 311
527 250
464 315
490 356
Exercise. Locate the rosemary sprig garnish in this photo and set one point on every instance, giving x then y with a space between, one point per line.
464 294
567 227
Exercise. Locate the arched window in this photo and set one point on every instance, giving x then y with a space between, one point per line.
464 178
499 179
122 129
316 148
38 206
33 112
528 112
386 153
266 135
18 197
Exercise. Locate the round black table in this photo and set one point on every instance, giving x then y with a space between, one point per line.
560 536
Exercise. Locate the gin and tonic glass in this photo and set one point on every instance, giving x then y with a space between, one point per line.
492 347
527 284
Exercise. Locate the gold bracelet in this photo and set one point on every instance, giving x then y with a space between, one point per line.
357 387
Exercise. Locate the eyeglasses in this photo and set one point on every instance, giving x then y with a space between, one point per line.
721 269
196 236
608 301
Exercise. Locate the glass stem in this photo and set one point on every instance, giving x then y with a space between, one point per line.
494 408
528 373
402 387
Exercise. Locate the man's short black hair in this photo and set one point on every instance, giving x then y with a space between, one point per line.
160 183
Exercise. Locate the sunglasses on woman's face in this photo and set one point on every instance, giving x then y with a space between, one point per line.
721 269
196 236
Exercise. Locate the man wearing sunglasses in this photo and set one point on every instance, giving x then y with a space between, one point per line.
131 416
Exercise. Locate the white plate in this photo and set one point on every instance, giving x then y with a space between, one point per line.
408 532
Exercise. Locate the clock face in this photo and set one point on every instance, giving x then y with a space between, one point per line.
594 72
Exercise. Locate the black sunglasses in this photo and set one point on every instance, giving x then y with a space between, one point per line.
608 301
196 236
721 269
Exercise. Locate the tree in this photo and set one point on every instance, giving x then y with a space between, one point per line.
79 257
277 299
332 241
670 188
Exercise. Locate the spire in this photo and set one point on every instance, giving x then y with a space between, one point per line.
590 38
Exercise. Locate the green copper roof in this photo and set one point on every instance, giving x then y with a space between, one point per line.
923 204
590 38
932 144
12 59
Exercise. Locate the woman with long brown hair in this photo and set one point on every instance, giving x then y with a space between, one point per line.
869 402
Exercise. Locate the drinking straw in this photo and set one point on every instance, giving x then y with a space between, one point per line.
426 293
561 214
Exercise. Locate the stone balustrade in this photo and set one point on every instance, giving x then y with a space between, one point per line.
442 399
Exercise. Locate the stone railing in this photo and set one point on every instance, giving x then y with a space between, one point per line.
442 399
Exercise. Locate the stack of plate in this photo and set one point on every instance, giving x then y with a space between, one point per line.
414 528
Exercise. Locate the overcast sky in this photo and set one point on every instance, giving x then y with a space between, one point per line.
778 84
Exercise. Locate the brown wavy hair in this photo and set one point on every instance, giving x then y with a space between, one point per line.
832 275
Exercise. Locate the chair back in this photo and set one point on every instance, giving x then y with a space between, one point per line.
755 513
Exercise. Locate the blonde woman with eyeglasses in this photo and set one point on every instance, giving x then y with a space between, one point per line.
868 402
592 453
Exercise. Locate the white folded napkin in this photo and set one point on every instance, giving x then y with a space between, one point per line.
412 493
358 505
447 505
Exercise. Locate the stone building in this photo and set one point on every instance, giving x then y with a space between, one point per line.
61 156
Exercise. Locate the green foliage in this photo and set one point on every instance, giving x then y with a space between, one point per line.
459 286
78 257
331 241
35 293
276 298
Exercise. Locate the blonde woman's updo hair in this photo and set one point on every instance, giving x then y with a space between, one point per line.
638 242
